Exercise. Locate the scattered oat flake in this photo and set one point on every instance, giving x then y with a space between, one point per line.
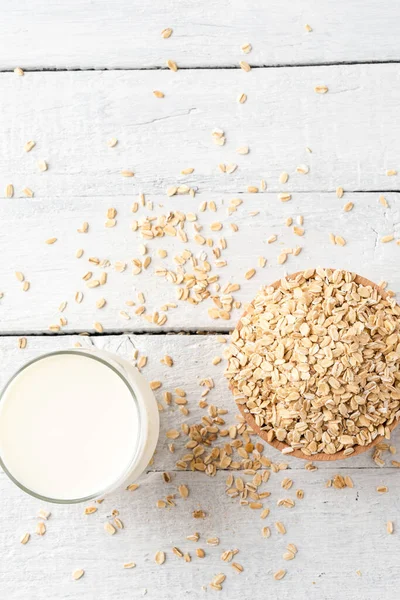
43 166
383 201
391 172
249 274
302 169
51 240
112 142
280 574
89 510
22 343
9 190
29 145
282 258
285 197
172 434
298 230
129 565
19 71
132 487
242 98
266 532
158 94
172 65
40 528
339 192
245 66
160 557
382 489
279 526
214 541
78 574
237 567
25 538
109 528
27 192
183 491
84 228
389 527
246 48
283 177
387 238
177 552
339 240
320 89
348 207
348 481
166 33
308 28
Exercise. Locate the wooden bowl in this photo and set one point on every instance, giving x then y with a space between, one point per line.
321 456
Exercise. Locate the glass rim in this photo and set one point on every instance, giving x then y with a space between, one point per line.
123 476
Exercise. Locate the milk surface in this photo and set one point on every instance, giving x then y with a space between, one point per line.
68 427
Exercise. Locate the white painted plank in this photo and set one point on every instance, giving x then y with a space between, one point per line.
192 356
353 519
337 532
85 34
353 130
56 275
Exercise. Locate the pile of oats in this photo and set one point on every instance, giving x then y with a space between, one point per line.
316 362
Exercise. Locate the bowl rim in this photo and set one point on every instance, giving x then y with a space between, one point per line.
281 446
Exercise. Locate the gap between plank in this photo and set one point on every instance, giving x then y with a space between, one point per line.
115 333
207 192
207 68
318 464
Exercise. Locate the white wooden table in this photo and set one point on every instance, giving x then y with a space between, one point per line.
90 72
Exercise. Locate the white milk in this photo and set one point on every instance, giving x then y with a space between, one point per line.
71 428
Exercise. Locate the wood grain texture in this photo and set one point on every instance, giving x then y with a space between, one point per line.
353 521
56 275
86 35
353 130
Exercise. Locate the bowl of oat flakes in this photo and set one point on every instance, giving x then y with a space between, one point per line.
314 364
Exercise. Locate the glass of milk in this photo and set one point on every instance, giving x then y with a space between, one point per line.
76 424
